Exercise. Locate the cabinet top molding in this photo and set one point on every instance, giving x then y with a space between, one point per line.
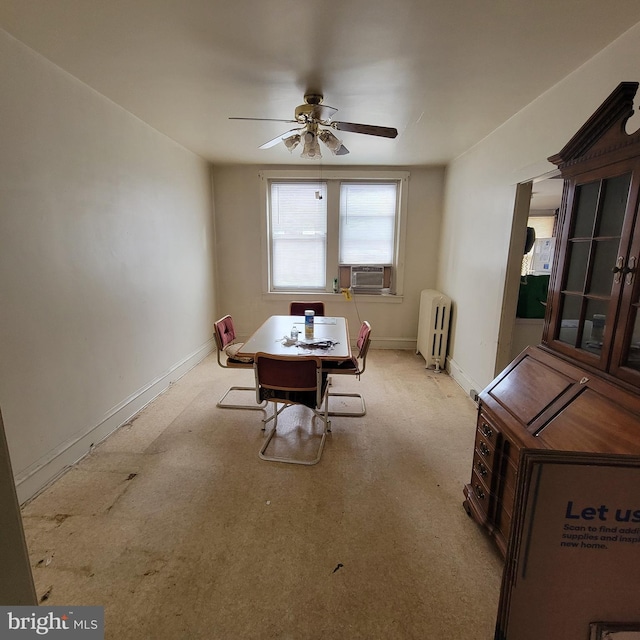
603 133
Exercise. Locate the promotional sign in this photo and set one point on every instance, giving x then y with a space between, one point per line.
574 549
605 631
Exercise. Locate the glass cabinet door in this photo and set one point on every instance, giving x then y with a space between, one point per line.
594 260
625 359
631 353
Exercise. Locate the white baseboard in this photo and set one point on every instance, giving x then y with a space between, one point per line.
394 343
461 378
44 471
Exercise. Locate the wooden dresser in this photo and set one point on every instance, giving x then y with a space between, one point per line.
541 401
580 389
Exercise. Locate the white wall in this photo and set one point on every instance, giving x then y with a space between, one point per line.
480 194
239 214
106 264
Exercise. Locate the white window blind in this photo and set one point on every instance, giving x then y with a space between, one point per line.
367 222
298 235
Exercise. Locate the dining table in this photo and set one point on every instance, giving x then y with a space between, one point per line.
276 336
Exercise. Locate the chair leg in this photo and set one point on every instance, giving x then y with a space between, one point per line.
324 416
274 417
221 403
349 414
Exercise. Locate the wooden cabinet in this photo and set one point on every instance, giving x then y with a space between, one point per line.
595 286
580 389
542 401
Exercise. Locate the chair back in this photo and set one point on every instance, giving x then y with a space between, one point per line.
224 332
298 308
225 336
363 342
289 379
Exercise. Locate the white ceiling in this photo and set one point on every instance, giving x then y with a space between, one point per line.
546 195
445 74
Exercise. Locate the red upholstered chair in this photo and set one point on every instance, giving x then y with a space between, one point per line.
225 335
353 367
298 308
291 380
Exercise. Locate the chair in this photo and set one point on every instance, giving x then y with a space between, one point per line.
298 308
291 380
353 367
225 336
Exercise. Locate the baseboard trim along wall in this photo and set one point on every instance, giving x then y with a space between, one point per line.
392 343
39 475
461 378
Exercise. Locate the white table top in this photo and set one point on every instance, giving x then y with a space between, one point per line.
270 338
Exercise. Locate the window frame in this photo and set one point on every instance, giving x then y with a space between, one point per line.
344 214
323 236
333 178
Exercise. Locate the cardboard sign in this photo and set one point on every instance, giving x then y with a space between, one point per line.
606 631
573 557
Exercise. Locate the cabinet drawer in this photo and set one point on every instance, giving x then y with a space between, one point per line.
485 451
481 493
488 430
482 468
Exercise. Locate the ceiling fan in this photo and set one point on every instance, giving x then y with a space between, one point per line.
312 116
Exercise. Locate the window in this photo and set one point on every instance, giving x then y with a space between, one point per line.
367 222
544 227
298 235
313 226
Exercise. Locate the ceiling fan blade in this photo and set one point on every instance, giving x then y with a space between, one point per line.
342 151
280 138
369 129
323 111
263 119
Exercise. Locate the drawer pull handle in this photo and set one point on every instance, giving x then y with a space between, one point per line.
484 450
482 469
480 492
487 431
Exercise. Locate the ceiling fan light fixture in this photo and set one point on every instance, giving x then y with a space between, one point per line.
311 149
333 143
292 141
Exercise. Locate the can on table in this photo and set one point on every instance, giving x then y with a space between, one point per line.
308 323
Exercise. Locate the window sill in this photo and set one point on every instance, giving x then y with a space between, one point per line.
334 298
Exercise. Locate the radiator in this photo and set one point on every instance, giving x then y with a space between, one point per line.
433 327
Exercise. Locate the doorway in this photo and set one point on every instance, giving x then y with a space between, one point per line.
537 203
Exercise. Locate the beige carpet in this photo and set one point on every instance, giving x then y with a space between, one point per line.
178 528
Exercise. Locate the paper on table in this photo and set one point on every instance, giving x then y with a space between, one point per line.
318 343
320 320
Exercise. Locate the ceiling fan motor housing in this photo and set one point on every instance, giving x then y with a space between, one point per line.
313 98
313 110
308 113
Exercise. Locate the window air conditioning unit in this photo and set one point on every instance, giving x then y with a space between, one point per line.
367 278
